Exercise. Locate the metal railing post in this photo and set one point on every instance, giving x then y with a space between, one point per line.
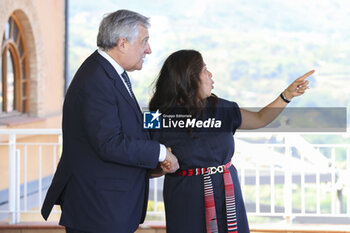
287 184
347 189
155 194
18 187
12 179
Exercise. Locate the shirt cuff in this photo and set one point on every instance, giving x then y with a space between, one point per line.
162 153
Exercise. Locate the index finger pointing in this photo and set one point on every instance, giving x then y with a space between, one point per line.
301 78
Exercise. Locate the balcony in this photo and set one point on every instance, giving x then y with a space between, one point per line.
290 182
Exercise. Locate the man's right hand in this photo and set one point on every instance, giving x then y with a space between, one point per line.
170 164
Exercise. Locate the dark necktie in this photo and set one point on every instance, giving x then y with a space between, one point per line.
128 83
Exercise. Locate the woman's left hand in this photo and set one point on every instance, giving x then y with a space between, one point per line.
298 87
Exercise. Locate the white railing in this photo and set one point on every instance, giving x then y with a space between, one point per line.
314 176
278 174
12 207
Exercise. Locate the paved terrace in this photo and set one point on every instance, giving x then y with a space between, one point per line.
159 227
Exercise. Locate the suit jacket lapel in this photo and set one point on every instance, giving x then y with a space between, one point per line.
118 83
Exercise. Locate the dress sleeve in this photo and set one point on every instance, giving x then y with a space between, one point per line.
231 115
236 118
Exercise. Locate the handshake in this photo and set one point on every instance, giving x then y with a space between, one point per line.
169 165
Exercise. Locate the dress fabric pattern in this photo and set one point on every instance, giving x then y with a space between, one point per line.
184 195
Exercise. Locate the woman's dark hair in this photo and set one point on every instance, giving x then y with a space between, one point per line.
178 83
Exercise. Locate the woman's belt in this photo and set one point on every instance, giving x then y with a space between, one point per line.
210 211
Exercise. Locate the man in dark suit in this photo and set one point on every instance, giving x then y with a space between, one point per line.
101 181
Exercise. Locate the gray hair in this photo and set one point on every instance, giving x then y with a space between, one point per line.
117 25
